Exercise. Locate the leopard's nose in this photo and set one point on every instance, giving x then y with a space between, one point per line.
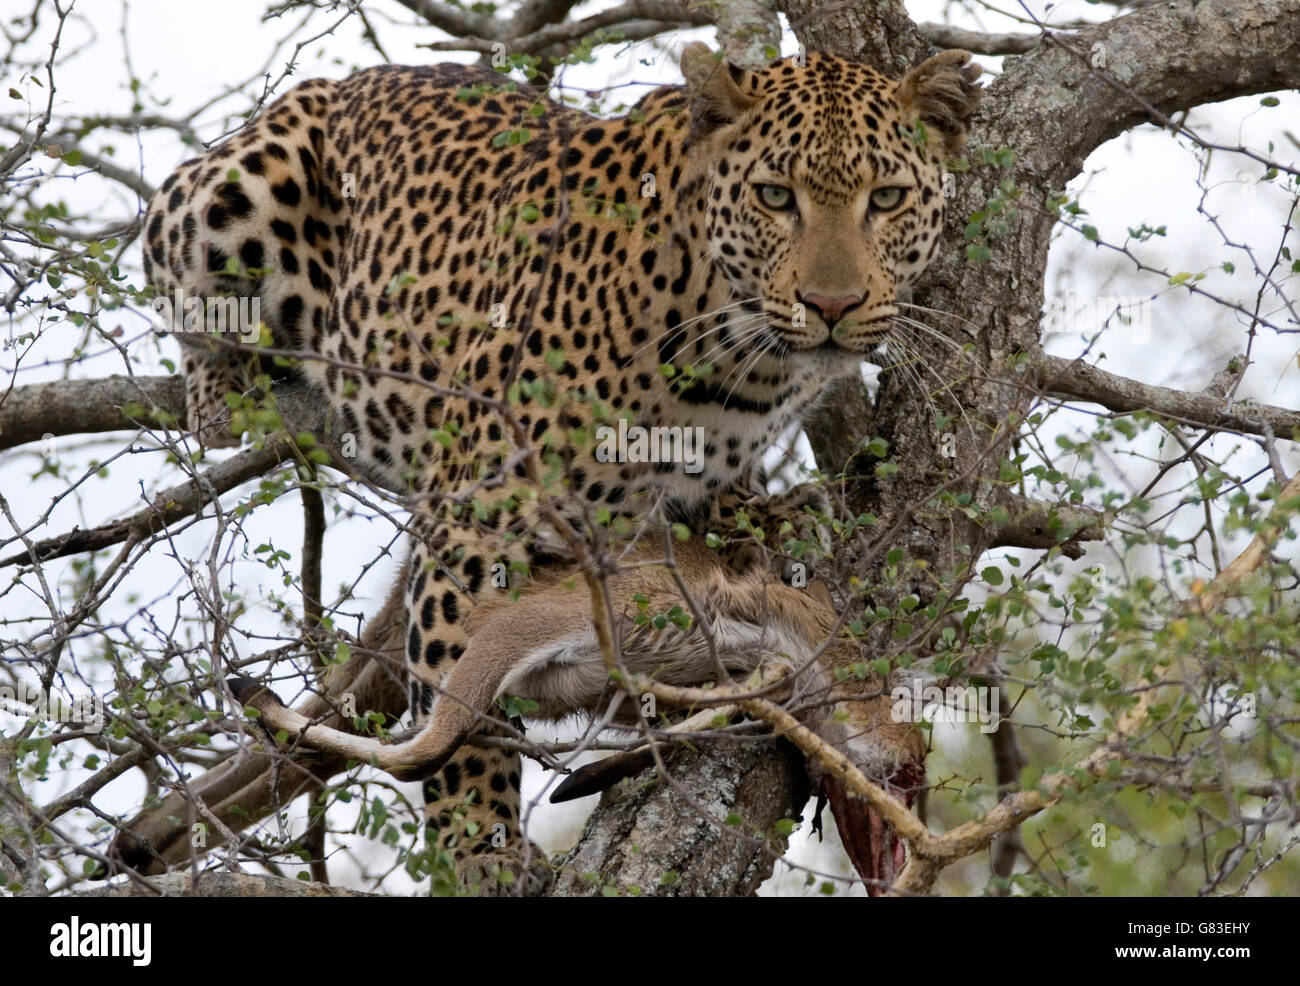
831 307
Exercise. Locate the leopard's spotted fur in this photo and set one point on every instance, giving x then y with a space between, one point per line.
456 293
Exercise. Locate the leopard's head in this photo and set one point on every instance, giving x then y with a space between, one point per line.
823 186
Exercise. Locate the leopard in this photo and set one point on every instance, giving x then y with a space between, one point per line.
482 281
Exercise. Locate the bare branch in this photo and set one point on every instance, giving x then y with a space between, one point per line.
168 507
1078 380
85 407
453 20
639 19
980 42
215 883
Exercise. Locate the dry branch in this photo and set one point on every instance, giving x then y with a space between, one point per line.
168 507
219 883
84 407
1078 380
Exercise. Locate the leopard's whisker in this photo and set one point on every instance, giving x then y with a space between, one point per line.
918 359
743 368
975 327
668 330
743 329
908 374
910 323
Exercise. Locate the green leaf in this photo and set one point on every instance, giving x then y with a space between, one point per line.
992 575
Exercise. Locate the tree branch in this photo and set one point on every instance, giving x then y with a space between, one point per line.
86 407
637 20
216 883
453 20
168 507
1077 380
980 42
1036 524
748 31
878 33
672 840
1155 57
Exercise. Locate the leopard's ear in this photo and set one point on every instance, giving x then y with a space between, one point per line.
712 84
941 93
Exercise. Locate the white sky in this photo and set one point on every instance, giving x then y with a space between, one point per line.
186 53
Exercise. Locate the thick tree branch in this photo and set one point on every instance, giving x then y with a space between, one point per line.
86 407
1078 380
980 42
878 33
217 883
749 32
534 14
671 839
1035 524
451 19
29 413
1159 56
636 20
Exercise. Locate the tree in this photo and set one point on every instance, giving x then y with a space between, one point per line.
1104 555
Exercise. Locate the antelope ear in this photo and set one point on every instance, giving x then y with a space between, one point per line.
941 93
711 85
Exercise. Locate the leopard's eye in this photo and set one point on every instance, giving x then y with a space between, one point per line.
887 199
776 197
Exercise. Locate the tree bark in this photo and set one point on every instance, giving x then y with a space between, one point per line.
649 838
215 883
